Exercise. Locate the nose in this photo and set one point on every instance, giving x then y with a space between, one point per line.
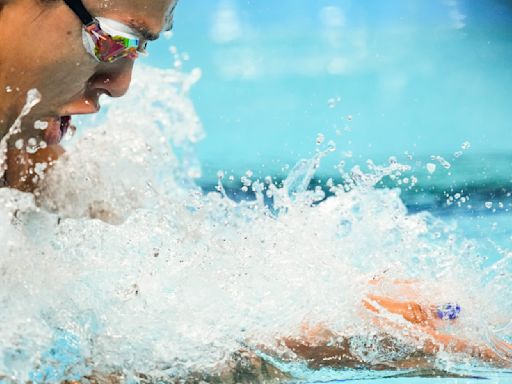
113 79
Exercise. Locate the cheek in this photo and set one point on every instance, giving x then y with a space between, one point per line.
65 77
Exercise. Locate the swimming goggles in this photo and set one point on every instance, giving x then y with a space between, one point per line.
448 311
105 39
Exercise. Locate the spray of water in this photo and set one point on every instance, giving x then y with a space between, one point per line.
33 98
123 265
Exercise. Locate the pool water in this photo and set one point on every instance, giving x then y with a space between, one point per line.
126 265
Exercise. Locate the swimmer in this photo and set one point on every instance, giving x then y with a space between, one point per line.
53 46
424 322
319 347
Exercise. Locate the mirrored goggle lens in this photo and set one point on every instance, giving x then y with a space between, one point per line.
107 48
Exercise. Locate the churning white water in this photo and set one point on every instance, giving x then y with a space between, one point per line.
125 265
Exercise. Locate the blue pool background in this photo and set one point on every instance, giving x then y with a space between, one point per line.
409 79
411 75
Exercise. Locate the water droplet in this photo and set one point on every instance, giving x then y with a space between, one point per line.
246 181
31 146
488 204
431 168
8 89
41 125
19 143
220 175
445 164
32 142
466 145
249 173
320 138
194 173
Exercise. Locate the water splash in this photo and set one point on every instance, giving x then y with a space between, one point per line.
33 98
124 266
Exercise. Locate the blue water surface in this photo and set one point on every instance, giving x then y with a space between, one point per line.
421 76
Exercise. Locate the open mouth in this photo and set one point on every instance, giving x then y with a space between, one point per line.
57 129
65 123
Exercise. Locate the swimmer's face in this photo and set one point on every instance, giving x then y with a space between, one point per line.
41 47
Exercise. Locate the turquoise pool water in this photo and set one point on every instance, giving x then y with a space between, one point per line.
413 75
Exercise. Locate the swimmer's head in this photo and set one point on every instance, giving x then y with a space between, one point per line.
42 48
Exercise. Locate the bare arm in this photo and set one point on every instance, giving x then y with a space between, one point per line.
425 319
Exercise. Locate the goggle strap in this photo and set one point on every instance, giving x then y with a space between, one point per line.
78 7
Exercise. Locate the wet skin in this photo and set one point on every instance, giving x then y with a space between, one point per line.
42 48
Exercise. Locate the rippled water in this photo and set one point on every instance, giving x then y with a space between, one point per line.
125 265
